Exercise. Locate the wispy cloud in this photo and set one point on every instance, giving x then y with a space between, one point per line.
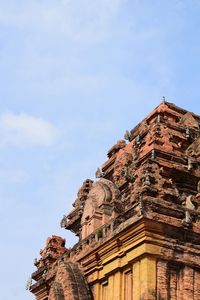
13 176
24 130
82 20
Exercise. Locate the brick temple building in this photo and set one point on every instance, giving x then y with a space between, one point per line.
138 223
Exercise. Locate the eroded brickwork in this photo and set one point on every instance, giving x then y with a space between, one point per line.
140 217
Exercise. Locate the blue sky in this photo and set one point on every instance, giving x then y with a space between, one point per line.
75 75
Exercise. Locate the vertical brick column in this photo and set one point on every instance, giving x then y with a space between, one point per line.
173 284
196 285
162 280
188 284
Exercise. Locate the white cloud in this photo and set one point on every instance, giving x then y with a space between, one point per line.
13 176
25 130
81 20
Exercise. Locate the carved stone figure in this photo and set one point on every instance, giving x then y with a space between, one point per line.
98 173
146 179
63 222
198 187
189 205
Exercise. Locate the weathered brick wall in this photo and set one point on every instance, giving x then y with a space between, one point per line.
177 282
162 280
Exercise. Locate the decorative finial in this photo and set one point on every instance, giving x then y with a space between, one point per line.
44 274
63 222
127 135
190 164
98 173
138 139
187 133
128 174
29 283
153 154
163 100
158 118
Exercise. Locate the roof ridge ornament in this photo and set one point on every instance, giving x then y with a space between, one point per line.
163 100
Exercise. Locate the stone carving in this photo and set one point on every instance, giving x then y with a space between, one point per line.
129 174
98 173
158 119
146 178
153 154
198 195
188 134
140 208
127 136
55 246
73 220
189 205
191 163
138 139
44 274
63 222
29 283
198 187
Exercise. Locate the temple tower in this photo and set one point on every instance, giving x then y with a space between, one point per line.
138 223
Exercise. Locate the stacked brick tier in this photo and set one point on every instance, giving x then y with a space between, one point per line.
144 207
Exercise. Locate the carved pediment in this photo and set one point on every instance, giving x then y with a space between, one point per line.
102 192
100 205
73 220
69 283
